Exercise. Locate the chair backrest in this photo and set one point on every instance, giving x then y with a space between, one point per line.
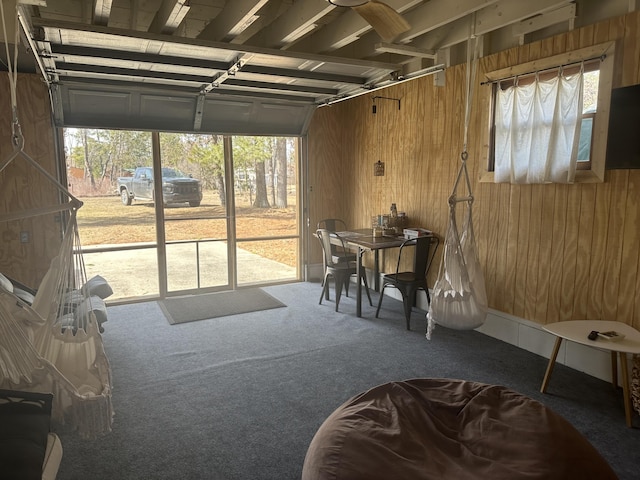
425 250
328 241
332 224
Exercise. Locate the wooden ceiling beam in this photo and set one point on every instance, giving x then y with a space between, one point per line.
169 16
300 17
234 19
346 29
101 12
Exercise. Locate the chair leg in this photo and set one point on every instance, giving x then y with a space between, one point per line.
407 310
384 285
408 300
366 286
338 281
325 289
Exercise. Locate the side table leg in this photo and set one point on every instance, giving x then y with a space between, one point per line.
626 391
552 362
614 370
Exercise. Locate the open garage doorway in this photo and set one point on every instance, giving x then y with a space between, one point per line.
229 215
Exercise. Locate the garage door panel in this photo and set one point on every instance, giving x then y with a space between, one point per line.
146 108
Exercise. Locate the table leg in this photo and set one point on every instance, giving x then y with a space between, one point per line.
614 370
376 271
552 362
626 391
359 289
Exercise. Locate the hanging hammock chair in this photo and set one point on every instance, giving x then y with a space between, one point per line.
55 346
459 299
51 341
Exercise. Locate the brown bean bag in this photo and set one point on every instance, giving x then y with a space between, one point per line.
449 429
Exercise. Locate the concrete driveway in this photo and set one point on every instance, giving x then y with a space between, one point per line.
134 273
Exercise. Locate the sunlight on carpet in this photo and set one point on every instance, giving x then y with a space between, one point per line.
214 305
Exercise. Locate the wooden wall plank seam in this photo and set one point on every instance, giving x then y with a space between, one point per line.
583 257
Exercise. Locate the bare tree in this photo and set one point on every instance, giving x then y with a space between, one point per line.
261 201
88 172
280 155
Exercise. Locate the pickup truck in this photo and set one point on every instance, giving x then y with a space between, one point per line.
176 187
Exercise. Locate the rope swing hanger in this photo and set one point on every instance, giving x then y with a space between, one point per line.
459 299
467 115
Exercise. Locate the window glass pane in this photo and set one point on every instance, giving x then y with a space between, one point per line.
584 146
590 91
589 107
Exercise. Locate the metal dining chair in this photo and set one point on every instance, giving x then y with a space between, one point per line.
409 282
341 271
338 253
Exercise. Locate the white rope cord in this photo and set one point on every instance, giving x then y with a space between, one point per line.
470 74
12 67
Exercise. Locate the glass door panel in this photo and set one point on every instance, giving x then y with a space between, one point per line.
195 213
266 209
229 215
118 238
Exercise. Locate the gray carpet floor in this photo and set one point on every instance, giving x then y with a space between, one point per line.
240 397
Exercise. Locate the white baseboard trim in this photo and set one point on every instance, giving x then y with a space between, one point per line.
523 334
530 336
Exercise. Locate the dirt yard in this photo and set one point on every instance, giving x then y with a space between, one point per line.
106 221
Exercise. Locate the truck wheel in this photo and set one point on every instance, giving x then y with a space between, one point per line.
194 204
124 196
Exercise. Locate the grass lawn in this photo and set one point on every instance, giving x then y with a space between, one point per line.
106 221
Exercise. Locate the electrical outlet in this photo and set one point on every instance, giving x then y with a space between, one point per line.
24 237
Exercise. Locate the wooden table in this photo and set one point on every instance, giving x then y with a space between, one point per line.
364 241
578 331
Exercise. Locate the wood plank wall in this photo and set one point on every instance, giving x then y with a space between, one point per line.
23 187
549 252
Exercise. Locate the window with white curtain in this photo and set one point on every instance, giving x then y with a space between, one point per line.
549 118
537 127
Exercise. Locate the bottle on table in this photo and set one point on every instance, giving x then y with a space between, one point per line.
394 217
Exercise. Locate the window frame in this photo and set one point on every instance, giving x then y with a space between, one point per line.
596 172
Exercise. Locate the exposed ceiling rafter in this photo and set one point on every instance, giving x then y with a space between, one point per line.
101 11
234 19
169 16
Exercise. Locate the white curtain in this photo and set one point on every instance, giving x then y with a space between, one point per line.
537 130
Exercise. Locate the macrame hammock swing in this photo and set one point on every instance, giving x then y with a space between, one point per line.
459 298
51 343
